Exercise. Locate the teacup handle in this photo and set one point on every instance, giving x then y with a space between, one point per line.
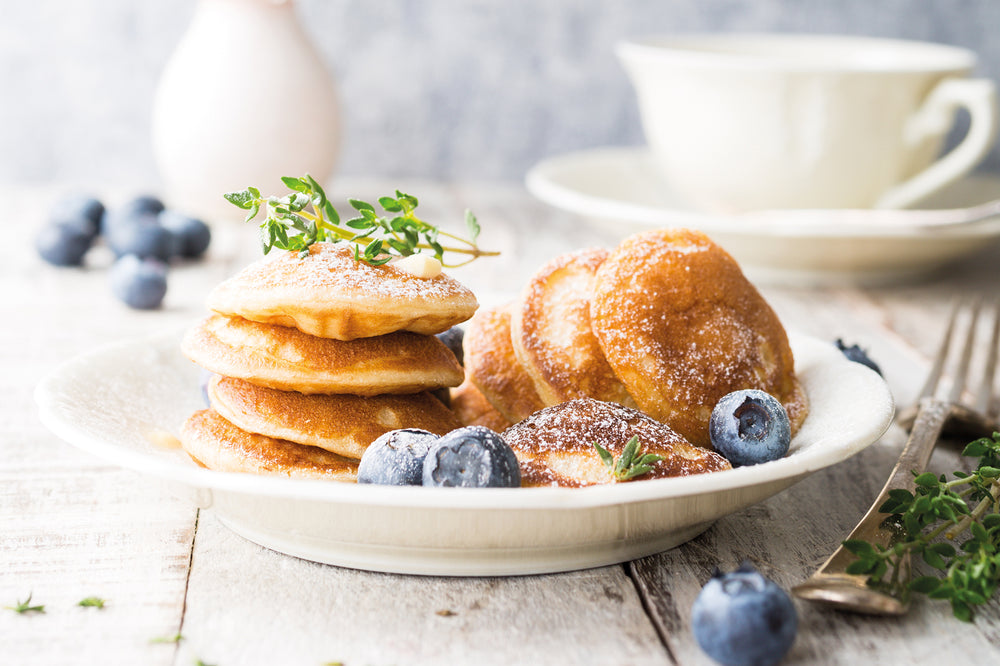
935 118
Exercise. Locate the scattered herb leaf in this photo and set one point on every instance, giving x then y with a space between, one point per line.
631 463
965 512
94 602
446 612
176 638
26 607
305 216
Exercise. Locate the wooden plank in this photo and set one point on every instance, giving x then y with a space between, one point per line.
248 605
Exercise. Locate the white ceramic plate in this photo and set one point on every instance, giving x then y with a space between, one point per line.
116 402
619 190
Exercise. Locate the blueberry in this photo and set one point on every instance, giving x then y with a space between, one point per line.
203 379
472 457
743 619
84 212
750 427
140 208
396 458
145 203
191 235
453 338
139 283
142 236
858 355
63 244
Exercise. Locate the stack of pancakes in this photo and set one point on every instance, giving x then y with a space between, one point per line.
314 357
665 323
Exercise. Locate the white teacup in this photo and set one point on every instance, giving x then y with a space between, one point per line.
742 122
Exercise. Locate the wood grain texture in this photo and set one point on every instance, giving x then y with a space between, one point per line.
73 526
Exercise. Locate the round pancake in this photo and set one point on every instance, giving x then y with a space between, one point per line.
342 424
555 447
329 294
552 337
287 359
472 408
491 364
217 444
682 327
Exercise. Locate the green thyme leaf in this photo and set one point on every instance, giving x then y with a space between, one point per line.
91 602
953 525
304 216
631 463
25 607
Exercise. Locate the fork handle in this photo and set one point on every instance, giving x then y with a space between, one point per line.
831 584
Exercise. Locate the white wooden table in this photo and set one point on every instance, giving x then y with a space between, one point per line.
72 526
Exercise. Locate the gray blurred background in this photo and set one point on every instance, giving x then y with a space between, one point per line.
470 89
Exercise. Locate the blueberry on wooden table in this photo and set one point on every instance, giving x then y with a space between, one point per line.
82 211
141 235
139 283
750 427
396 458
471 457
70 230
191 236
743 619
63 244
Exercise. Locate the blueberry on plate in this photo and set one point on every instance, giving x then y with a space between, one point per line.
472 457
142 236
858 355
453 338
63 244
750 427
191 236
396 458
139 283
743 619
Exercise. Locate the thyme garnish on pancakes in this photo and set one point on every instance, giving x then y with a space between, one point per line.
305 216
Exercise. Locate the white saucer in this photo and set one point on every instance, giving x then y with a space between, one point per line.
619 190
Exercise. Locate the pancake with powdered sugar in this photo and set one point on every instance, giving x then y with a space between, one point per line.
327 293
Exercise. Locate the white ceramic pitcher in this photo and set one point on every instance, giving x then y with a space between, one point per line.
243 100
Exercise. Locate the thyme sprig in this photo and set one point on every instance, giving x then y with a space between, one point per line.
305 215
631 463
25 607
954 526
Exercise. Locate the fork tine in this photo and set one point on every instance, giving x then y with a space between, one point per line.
934 376
958 386
984 396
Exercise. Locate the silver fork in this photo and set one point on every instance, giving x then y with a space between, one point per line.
831 584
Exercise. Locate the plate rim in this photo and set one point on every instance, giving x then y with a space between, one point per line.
49 398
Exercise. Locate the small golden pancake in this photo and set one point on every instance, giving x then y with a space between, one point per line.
491 364
682 327
217 444
552 337
472 408
343 424
555 447
285 358
329 294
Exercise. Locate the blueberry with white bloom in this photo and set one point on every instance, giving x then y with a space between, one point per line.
396 458
139 283
472 457
743 619
750 427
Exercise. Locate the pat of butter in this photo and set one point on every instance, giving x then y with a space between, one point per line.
419 265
